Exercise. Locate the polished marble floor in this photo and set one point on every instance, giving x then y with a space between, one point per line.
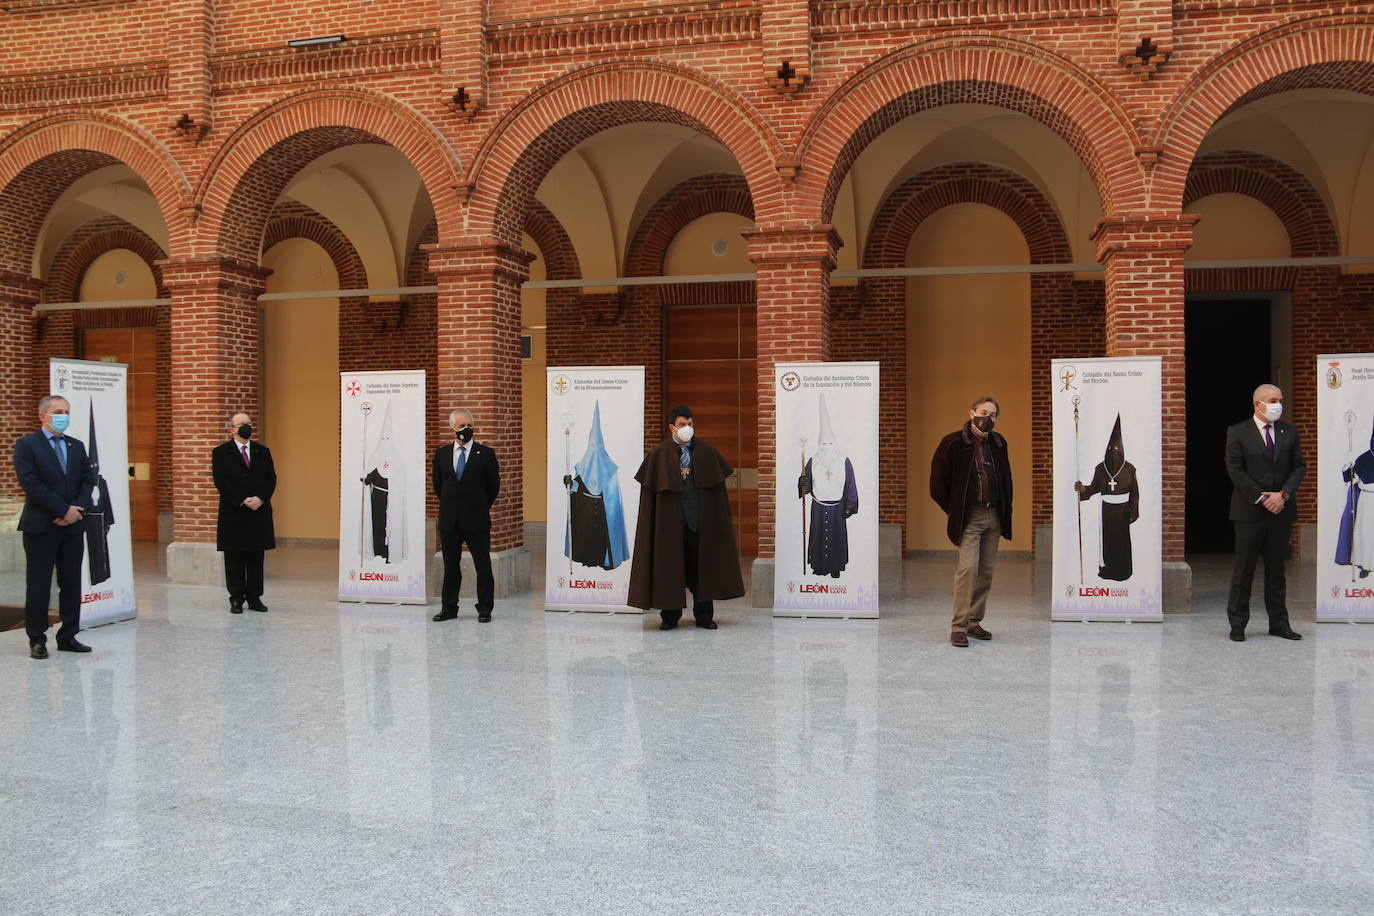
328 758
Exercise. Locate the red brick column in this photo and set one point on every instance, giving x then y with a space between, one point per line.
18 412
478 330
793 286
215 339
1143 257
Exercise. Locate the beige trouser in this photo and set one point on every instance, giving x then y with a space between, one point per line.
973 577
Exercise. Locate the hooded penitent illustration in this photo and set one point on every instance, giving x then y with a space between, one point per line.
828 478
1114 480
596 533
384 505
99 518
1355 545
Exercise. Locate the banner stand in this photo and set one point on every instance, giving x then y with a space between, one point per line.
384 472
826 517
97 392
1344 478
1108 500
595 445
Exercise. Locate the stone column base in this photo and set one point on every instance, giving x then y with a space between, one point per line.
1178 588
889 542
511 569
761 582
1044 544
1307 544
194 563
12 552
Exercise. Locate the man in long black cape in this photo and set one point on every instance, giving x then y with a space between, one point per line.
685 539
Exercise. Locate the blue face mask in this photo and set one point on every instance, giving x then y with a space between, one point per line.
60 422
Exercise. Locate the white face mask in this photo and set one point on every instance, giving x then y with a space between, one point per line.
1272 412
684 433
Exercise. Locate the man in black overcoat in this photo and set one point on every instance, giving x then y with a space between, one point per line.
58 481
246 479
467 478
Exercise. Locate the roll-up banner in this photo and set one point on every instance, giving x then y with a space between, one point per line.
596 443
1108 507
98 395
1345 488
826 536
382 489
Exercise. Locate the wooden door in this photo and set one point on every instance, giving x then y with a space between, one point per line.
137 349
710 365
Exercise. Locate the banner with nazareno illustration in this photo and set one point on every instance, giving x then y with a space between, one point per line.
1345 488
1108 504
596 443
826 520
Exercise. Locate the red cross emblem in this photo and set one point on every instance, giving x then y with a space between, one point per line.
354 389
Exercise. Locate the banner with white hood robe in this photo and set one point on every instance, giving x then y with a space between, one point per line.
826 541
382 496
596 412
1345 488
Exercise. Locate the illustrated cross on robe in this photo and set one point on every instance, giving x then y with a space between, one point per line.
1111 485
829 474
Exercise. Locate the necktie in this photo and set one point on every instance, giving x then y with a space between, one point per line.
61 453
462 462
244 450
1268 442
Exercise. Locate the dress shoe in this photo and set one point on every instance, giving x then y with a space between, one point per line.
236 607
1285 634
978 632
71 645
38 650
707 624
1237 636
666 625
255 604
484 616
445 615
959 639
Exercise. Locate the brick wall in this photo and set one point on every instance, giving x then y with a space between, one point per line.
210 111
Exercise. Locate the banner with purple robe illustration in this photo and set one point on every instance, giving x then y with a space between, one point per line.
826 540
1345 488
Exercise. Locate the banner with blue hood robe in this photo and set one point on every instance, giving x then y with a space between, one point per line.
596 535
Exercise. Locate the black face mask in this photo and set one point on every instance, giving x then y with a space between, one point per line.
464 435
984 424
245 431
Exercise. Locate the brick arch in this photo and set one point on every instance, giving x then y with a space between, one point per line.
1337 53
40 160
981 69
920 196
872 324
293 220
247 175
690 200
553 119
1277 185
555 246
88 242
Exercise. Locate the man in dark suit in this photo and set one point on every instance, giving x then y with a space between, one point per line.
246 479
1264 461
58 482
466 481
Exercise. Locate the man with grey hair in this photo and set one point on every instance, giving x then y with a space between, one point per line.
246 479
1264 461
58 482
467 478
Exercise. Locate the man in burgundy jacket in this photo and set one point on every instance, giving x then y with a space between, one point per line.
970 478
